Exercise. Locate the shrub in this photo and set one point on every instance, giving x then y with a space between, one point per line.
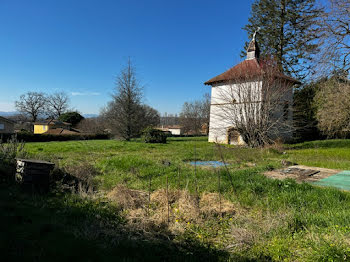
333 108
151 135
77 178
9 150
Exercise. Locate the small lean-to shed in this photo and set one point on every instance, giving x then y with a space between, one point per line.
6 126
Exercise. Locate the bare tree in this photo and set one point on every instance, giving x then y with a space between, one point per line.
205 111
94 125
189 117
149 116
57 104
31 104
335 52
169 119
126 114
194 114
122 111
332 102
254 108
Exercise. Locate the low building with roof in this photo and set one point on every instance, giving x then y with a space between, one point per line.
175 130
42 127
62 131
6 126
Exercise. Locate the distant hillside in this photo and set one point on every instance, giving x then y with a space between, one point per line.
12 113
5 114
90 115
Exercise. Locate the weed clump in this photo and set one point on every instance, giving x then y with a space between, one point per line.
147 211
128 198
211 205
9 151
75 178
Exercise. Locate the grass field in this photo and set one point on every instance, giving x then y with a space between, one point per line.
133 162
328 153
272 220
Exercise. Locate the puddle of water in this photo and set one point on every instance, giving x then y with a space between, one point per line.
207 163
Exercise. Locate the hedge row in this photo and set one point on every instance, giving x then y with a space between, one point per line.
29 137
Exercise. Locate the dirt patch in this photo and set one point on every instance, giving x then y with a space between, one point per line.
302 173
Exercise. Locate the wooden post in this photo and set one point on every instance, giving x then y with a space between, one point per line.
167 163
149 194
178 182
219 178
195 174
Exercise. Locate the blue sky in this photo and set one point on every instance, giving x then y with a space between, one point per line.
80 46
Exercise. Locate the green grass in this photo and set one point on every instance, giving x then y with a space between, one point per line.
133 162
275 220
328 153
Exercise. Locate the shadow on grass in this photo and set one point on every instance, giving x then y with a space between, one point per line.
68 227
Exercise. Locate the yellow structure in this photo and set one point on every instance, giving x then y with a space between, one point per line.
43 127
40 128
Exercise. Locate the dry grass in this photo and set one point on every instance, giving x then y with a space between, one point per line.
128 198
184 208
278 146
212 206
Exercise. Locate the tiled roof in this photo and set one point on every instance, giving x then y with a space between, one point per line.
7 120
249 68
175 127
61 131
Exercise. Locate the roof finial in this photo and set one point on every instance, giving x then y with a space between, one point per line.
256 31
253 51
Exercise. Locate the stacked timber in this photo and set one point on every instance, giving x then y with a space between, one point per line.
34 174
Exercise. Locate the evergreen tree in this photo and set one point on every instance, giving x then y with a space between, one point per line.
304 112
288 32
71 117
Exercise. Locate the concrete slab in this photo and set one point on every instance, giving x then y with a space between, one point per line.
302 173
